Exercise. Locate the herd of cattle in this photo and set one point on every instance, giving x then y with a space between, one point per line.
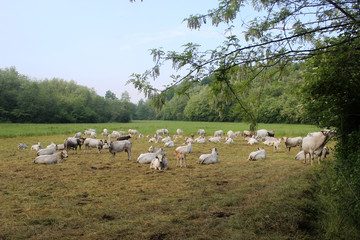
311 146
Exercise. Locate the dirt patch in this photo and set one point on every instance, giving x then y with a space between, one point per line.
158 236
108 217
222 183
221 214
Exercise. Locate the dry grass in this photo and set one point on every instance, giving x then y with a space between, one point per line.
90 197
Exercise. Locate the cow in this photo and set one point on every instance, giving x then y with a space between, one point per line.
314 143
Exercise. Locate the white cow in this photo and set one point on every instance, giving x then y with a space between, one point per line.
47 151
229 140
201 132
179 131
147 158
214 139
159 163
105 132
219 133
77 135
209 158
322 156
153 149
200 139
259 154
292 142
163 131
169 144
166 139
22 146
314 143
93 143
37 147
247 133
252 141
133 132
186 149
231 134
262 133
51 159
114 134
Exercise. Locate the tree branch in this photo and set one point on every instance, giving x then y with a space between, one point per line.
343 11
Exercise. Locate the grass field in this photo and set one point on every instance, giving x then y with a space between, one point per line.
91 197
146 127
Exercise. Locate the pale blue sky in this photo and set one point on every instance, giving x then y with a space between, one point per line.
98 44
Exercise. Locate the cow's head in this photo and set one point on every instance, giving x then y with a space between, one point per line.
329 133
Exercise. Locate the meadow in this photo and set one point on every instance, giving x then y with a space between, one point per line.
91 197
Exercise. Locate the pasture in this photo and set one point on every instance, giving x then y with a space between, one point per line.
91 197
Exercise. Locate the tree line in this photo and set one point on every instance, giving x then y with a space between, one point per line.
278 101
60 101
57 101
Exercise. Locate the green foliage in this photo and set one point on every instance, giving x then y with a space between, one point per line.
174 109
57 101
212 100
274 44
332 87
332 98
110 95
144 111
199 109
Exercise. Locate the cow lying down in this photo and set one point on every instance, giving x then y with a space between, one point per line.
51 159
259 154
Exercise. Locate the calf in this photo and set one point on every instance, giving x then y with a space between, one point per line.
181 157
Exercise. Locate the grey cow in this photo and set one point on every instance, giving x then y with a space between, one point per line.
119 146
51 159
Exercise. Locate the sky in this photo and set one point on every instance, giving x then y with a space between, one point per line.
98 44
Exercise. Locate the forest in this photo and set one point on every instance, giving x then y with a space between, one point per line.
58 101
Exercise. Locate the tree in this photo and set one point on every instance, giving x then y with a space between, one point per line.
144 111
333 100
199 109
284 31
110 95
125 97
